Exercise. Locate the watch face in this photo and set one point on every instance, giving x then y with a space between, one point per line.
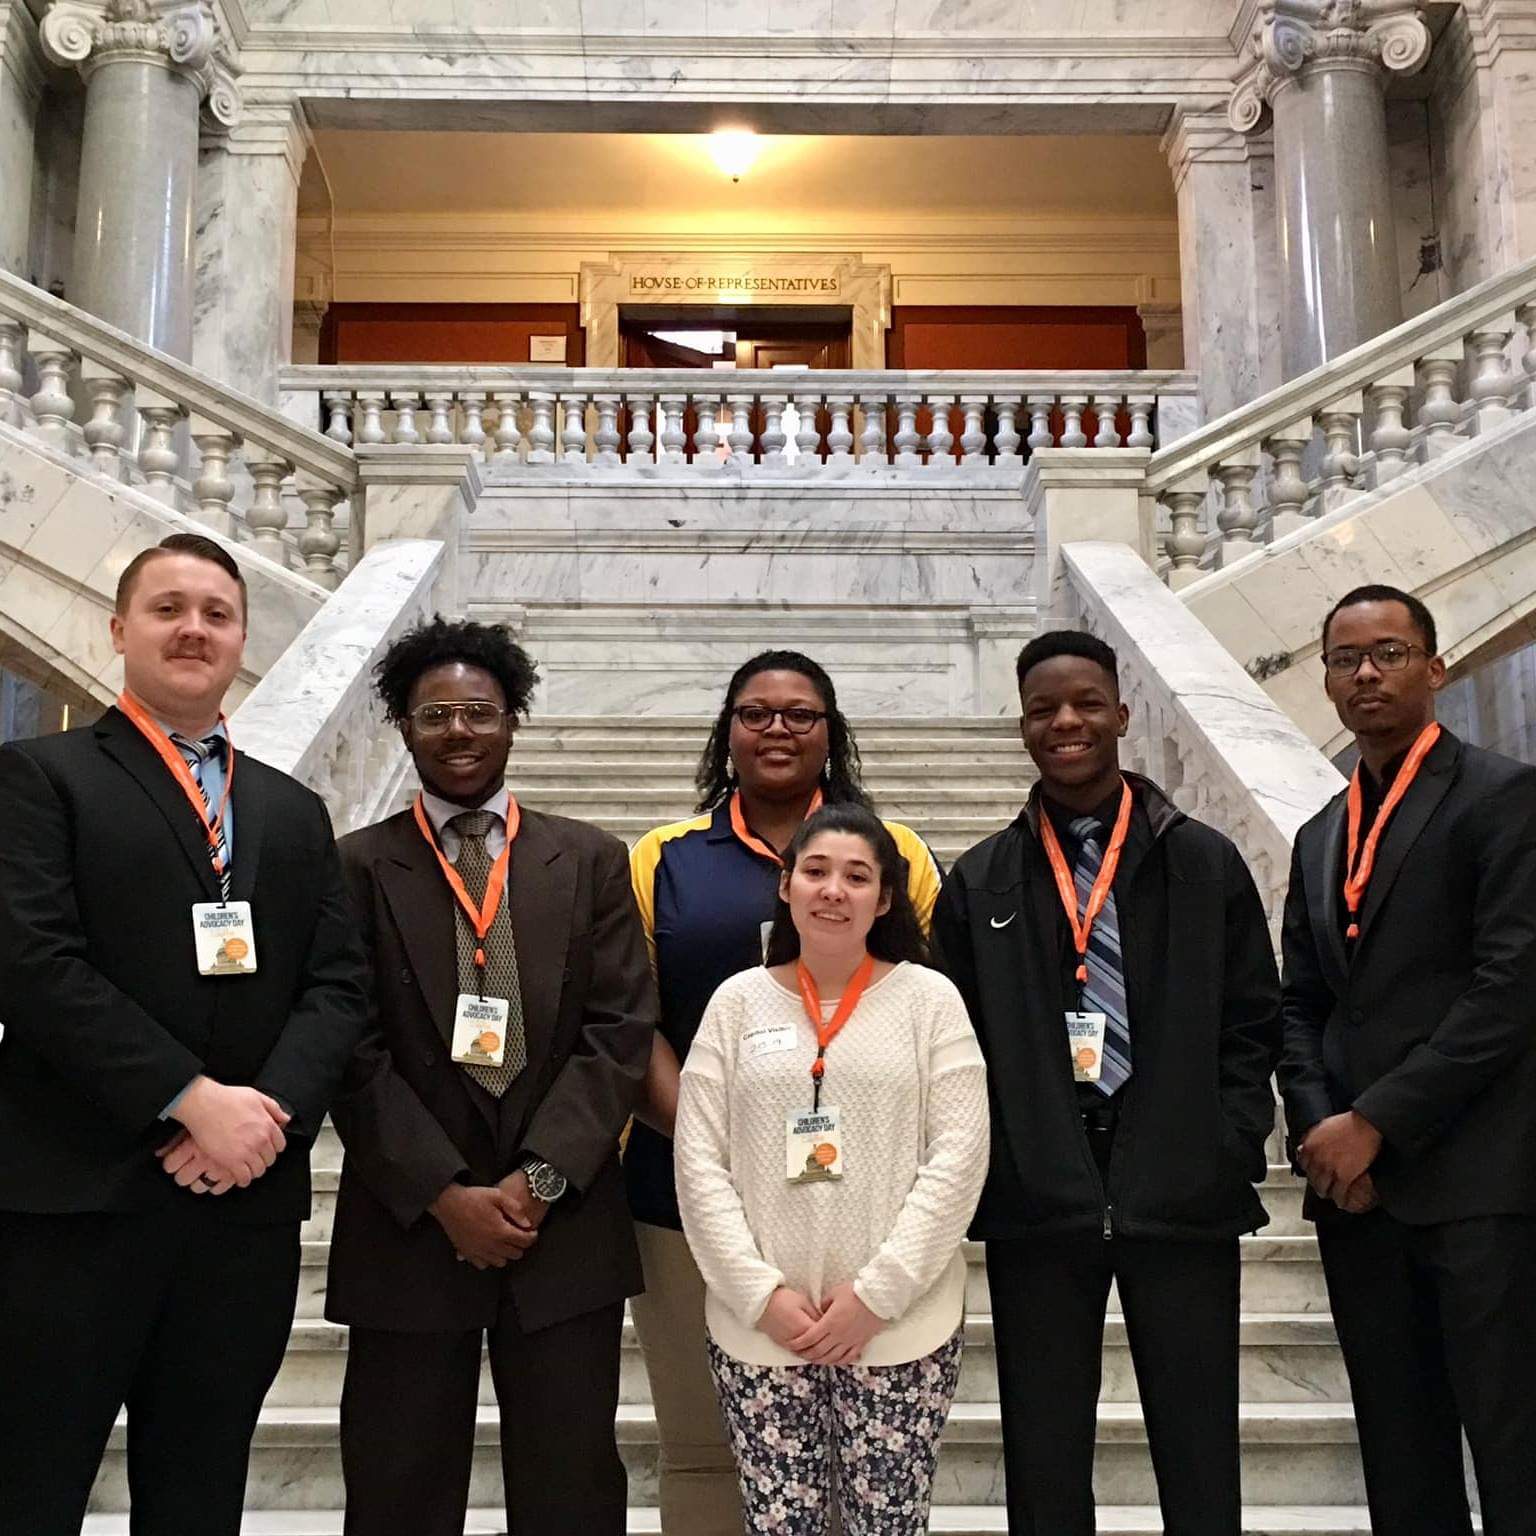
548 1184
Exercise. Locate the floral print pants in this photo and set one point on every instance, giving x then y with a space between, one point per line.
881 1423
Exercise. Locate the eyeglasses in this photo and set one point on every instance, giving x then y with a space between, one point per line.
481 716
1386 656
799 719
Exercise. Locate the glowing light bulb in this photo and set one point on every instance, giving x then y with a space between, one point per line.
734 150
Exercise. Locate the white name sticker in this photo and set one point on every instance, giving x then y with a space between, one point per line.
813 1146
766 1040
224 936
479 1030
1085 1037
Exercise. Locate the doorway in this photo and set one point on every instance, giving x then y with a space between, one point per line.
708 336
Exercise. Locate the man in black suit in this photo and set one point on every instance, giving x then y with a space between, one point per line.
178 976
481 1193
1409 1079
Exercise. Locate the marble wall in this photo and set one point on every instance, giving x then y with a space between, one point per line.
56 183
21 90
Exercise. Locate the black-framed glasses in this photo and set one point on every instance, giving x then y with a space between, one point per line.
1386 656
481 716
799 719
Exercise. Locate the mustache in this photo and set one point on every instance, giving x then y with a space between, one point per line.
189 652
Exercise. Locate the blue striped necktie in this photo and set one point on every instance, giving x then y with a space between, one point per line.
1105 989
197 753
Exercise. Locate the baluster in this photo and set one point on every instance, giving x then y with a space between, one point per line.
740 436
1493 383
319 541
1390 437
907 439
105 431
1340 422
641 438
674 438
51 405
440 430
1007 441
1040 407
872 445
1238 518
541 431
266 516
12 349
158 459
474 421
1288 490
1140 435
941 440
507 436
406 406
1106 407
773 430
338 404
973 431
1186 542
371 404
1526 315
807 433
213 488
607 436
706 434
573 438
839 435
1072 408
1439 410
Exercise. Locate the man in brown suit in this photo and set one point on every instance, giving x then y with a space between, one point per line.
481 1192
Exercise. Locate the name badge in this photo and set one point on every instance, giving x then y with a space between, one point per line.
1085 1037
813 1146
766 1040
479 1030
224 937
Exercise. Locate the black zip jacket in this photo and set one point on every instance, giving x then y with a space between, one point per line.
1203 998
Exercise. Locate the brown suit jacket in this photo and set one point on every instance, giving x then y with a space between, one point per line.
411 1121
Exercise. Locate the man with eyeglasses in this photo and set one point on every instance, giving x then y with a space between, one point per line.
481 1199
1409 1079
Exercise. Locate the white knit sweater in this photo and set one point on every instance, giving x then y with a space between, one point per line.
907 1076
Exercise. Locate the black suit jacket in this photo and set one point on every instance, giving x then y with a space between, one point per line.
106 1019
1429 1028
412 1121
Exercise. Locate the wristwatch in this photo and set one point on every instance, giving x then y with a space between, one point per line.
544 1179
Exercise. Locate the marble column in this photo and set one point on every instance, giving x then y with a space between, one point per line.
1221 179
1319 68
21 90
149 67
247 230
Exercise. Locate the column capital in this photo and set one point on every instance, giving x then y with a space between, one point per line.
1294 37
180 35
265 128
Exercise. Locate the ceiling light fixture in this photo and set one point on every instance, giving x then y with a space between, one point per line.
734 150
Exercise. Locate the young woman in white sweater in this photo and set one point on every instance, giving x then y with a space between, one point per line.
831 1143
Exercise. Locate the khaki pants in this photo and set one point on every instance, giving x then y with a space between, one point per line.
699 1492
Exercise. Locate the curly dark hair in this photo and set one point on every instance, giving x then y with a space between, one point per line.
840 778
434 643
895 935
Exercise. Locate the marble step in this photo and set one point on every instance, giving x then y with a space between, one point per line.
881 728
1287 1448
551 770
1283 1357
923 804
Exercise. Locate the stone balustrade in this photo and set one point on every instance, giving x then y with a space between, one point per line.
125 411
1400 401
549 420
315 715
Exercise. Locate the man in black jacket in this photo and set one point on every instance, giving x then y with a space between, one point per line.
1409 1080
1129 1059
181 988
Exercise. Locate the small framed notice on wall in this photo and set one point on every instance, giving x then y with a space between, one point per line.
546 349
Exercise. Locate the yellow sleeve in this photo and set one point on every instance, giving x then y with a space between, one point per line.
923 877
643 860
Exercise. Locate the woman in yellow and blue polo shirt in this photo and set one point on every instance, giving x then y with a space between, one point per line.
706 889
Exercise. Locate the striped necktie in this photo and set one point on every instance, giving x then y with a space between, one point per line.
197 753
1105 989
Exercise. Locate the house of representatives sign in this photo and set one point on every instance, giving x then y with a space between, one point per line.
671 284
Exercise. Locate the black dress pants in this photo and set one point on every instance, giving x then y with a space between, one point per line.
1180 1301
178 1315
1438 1328
408 1427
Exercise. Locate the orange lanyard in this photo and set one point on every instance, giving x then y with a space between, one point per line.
750 838
170 755
480 917
1356 880
1082 929
827 1032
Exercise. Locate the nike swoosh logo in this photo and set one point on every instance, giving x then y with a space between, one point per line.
1005 921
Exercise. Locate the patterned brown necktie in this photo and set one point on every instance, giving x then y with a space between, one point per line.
500 979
